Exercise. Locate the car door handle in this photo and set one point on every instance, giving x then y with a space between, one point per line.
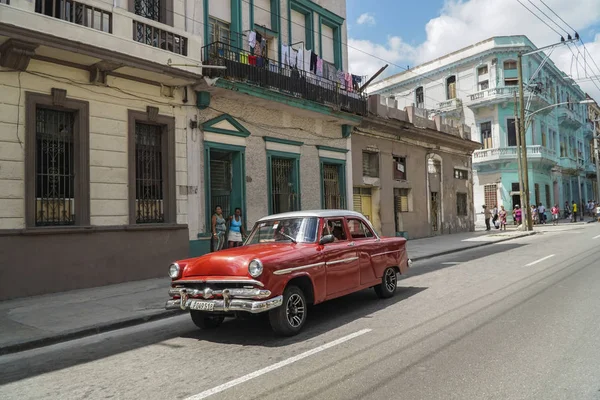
351 244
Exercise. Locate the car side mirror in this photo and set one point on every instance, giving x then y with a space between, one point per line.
327 239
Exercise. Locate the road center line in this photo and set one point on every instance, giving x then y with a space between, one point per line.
596 237
450 263
540 260
278 365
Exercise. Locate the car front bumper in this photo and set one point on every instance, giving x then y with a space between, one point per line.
228 305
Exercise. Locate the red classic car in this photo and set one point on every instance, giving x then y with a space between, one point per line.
288 262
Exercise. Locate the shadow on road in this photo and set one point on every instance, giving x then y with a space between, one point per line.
254 332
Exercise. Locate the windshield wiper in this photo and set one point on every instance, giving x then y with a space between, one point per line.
288 236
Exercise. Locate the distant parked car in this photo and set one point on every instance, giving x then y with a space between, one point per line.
288 262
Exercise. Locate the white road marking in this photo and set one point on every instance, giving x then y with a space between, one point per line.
450 263
278 365
596 237
540 260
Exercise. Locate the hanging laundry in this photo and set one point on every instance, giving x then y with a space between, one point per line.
319 67
244 58
252 39
348 78
313 62
285 55
307 56
341 78
273 67
300 59
356 81
293 57
252 60
258 49
260 62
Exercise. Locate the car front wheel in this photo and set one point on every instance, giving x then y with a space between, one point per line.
389 283
289 318
206 321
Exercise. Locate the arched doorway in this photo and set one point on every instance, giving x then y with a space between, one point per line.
434 190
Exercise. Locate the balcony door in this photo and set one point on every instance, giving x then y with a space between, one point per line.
511 132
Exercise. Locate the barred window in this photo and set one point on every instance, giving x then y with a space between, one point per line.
461 174
55 171
401 197
370 164
284 185
491 195
399 168
148 174
461 204
150 9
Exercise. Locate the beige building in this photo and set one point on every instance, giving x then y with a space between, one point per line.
115 143
416 177
594 149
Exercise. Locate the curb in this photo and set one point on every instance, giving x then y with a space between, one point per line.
87 331
443 253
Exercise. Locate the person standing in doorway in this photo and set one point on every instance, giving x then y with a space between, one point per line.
502 216
487 215
219 228
555 212
236 229
574 211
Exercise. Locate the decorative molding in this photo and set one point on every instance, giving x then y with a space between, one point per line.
334 149
210 126
282 141
152 113
100 70
16 54
59 97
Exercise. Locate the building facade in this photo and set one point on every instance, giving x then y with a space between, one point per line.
594 147
117 143
477 86
416 177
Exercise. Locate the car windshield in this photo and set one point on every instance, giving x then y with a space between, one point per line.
299 230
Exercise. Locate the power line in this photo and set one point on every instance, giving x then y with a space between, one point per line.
540 18
570 27
546 15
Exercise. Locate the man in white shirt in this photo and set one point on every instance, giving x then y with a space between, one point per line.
542 213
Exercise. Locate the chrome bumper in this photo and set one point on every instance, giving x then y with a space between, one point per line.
227 305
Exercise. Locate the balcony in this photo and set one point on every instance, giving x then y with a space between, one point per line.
270 75
490 97
93 34
588 130
504 154
452 107
568 119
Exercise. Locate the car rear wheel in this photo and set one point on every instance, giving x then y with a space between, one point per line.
206 321
389 283
289 318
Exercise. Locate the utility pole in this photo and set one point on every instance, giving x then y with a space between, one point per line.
597 153
524 167
519 169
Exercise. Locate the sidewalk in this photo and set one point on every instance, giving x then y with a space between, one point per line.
38 321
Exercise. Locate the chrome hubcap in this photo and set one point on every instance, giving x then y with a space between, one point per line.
390 280
295 310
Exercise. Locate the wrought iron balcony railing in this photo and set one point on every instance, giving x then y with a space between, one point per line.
77 13
154 36
243 67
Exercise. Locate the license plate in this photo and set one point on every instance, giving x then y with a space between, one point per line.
202 305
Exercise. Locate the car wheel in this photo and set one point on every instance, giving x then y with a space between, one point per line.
289 318
206 321
388 285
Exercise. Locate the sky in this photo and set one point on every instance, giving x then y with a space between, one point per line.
406 33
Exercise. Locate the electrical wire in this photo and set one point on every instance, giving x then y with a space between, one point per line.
547 6
540 18
19 109
546 15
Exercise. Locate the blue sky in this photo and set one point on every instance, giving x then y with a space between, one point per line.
410 33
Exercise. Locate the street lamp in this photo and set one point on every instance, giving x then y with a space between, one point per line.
530 115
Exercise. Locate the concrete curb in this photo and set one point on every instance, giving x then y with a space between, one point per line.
474 246
87 331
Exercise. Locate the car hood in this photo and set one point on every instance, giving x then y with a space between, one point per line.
234 262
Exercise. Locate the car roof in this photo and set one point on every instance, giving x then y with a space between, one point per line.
314 213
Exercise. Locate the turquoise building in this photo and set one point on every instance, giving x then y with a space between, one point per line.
478 86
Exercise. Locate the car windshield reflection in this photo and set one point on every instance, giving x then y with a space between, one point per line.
297 230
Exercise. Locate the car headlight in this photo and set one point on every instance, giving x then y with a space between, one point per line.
174 271
255 268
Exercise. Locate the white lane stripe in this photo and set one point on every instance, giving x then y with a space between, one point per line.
450 263
273 367
596 237
540 260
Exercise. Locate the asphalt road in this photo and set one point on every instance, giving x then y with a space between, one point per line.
516 320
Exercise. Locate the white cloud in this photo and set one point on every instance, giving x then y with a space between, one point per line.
465 22
366 19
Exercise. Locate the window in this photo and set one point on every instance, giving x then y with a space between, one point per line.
537 194
334 196
362 201
335 227
57 156
359 230
515 187
262 13
327 37
461 204
156 10
284 185
482 70
484 85
486 135
510 65
399 168
548 200
401 197
420 97
219 31
151 168
302 230
511 132
451 87
490 194
511 81
544 138
370 164
461 174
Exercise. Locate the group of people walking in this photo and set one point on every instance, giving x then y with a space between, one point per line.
230 228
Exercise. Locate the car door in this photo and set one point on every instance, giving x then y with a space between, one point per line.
341 260
366 244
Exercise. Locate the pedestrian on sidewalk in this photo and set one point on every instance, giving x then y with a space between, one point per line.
574 212
534 215
555 212
219 228
568 211
487 215
502 216
236 229
495 217
517 215
542 213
